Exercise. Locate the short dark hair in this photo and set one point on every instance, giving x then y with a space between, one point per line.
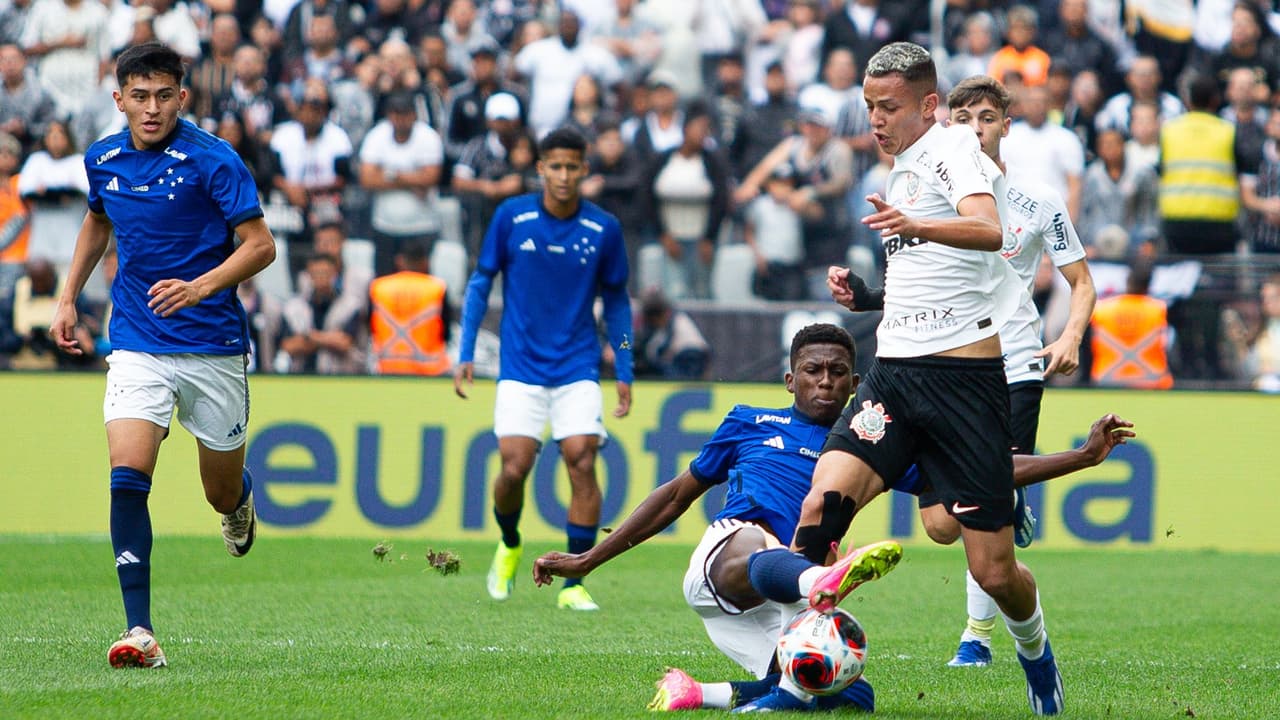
696 109
1202 92
1139 280
323 257
413 252
976 89
146 60
822 334
563 138
911 61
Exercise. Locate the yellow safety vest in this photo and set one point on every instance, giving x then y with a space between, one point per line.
1198 182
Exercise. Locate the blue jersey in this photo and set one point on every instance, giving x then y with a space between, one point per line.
552 271
767 456
173 211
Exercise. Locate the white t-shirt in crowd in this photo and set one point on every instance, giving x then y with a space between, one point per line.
1050 153
400 211
938 297
553 69
779 232
310 162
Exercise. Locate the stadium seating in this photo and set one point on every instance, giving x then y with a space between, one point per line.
731 274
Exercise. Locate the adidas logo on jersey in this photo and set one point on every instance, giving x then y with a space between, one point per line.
775 442
528 246
114 184
127 558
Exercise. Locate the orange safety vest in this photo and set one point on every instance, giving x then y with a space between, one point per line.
408 324
1129 343
11 208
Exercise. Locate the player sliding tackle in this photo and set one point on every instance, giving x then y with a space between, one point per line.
772 452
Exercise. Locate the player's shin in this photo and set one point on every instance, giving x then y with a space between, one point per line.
131 541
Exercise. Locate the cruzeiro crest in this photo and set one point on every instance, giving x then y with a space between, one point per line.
869 424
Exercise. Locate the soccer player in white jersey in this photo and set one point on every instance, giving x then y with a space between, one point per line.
1035 222
557 252
176 198
936 394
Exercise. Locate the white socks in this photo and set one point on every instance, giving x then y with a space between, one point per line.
717 695
1029 634
982 610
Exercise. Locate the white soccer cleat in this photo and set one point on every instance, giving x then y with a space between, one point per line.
240 527
136 647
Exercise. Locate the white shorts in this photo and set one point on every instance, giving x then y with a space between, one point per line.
211 393
748 637
524 410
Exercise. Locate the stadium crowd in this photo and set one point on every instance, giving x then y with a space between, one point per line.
729 137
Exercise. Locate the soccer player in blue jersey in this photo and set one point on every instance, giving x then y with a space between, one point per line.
767 455
177 199
557 252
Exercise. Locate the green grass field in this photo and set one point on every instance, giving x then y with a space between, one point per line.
307 628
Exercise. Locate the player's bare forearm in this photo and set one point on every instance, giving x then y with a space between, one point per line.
966 233
1063 354
1106 433
91 244
976 228
661 508
257 250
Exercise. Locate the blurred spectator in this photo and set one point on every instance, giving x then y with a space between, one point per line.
388 19
15 218
614 184
1130 337
1046 151
524 162
669 344
354 99
99 116
251 96
585 106
1252 45
54 182
330 239
483 176
774 231
30 310
313 156
1162 29
265 316
400 164
324 329
729 103
321 59
802 44
765 124
1199 157
1260 191
864 26
1143 81
464 33
437 68
840 96
632 39
553 65
347 17
1117 193
1244 92
466 102
1080 114
1259 357
1075 46
410 318
659 129
506 20
214 73
68 40
688 191
1143 146
231 128
975 52
824 174
13 20
400 74
174 26
25 108
265 35
722 27
1021 55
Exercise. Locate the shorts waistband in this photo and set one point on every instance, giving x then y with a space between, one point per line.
939 362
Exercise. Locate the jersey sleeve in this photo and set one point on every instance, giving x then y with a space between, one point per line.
94 196
493 250
965 171
613 266
232 188
720 453
1060 239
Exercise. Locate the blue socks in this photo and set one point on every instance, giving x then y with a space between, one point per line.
131 542
509 525
581 539
775 574
246 486
746 691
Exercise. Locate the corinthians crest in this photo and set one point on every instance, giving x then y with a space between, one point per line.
869 424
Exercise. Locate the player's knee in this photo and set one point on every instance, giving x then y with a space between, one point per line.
514 470
997 580
581 464
942 530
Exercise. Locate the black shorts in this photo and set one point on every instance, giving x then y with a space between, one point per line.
949 417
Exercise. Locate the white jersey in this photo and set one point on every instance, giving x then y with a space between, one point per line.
938 297
1035 221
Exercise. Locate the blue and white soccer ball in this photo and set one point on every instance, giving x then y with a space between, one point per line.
822 654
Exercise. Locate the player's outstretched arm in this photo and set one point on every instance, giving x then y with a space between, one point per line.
475 303
624 400
666 503
1107 432
1064 353
91 244
977 227
257 250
